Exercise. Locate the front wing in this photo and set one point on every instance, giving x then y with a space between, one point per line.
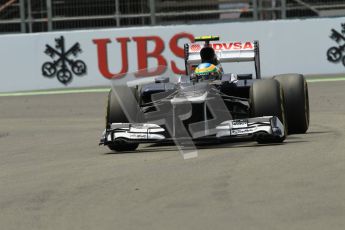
268 127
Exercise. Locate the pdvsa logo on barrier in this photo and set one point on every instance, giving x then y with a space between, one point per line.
63 66
335 54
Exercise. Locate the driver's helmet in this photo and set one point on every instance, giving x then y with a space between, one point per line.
207 72
208 55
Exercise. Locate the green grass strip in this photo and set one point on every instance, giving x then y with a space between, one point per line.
55 92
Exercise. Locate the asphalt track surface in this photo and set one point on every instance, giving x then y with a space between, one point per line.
53 175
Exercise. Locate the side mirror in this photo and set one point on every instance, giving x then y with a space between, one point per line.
244 76
162 80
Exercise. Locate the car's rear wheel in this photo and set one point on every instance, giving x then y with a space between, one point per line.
115 114
267 99
296 102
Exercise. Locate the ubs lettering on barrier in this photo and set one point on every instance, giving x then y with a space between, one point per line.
142 53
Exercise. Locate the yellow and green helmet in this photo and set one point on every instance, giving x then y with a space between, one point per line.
207 71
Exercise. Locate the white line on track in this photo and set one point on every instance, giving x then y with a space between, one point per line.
312 80
106 89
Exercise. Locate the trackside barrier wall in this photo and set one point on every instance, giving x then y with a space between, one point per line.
90 58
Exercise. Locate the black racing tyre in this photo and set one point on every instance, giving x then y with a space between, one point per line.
296 102
115 114
114 111
267 99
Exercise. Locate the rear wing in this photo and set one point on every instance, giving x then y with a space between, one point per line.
226 52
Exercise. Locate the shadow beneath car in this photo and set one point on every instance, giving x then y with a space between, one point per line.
229 145
165 148
171 147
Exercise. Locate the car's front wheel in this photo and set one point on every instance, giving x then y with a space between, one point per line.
115 114
267 99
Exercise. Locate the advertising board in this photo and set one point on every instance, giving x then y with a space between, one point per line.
90 58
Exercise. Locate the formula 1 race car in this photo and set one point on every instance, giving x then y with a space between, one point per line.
208 104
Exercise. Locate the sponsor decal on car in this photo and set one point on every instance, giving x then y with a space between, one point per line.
195 47
244 131
224 46
239 124
138 136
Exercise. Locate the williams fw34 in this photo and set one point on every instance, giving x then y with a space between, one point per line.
207 104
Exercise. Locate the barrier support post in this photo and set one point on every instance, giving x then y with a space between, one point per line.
153 12
255 10
283 9
117 13
22 16
29 16
49 15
